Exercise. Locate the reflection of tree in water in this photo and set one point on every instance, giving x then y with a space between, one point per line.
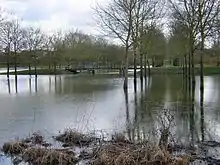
9 86
50 85
150 103
30 89
128 123
36 84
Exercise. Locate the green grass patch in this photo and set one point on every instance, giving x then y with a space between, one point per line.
208 70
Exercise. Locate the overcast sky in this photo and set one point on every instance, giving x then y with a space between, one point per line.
55 14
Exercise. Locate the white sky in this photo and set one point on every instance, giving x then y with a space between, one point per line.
55 14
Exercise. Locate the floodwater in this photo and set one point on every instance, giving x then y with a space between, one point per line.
52 103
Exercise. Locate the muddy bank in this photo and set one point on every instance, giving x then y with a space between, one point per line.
76 147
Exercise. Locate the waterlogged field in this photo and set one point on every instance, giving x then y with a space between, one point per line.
87 103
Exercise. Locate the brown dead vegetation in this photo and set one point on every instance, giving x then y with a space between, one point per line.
119 137
14 148
71 138
132 154
117 151
43 156
36 139
32 151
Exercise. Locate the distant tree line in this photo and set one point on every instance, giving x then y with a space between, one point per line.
31 47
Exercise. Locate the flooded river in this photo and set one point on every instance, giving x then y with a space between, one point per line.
52 103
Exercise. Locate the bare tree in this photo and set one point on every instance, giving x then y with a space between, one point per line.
184 12
57 43
6 41
17 42
200 17
145 12
33 39
207 13
48 46
115 20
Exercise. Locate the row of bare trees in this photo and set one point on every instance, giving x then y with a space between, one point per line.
199 21
127 21
192 24
31 47
15 39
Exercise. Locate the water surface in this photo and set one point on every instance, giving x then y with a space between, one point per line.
52 103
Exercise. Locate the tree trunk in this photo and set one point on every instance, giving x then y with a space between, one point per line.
141 67
16 74
192 114
135 69
192 64
189 72
145 66
202 116
186 69
29 68
148 65
193 72
183 68
15 64
49 61
202 85
55 68
126 69
136 115
35 65
201 74
8 65
128 123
